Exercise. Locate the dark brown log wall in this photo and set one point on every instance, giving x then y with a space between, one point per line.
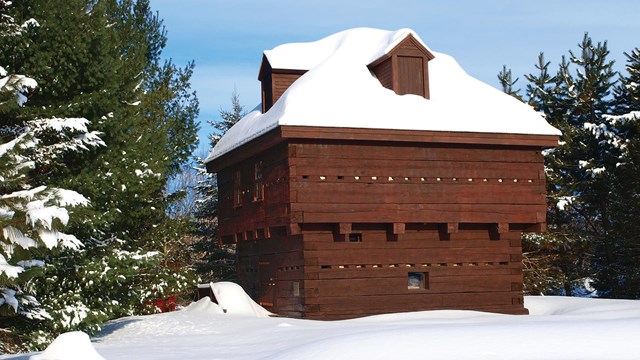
392 183
281 83
253 218
384 73
471 269
344 222
271 272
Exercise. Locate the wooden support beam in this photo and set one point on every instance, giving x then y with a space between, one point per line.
398 228
443 231
344 228
293 229
536 228
452 228
502 228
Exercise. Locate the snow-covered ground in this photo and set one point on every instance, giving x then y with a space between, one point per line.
557 328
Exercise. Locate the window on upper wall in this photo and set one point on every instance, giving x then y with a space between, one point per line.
417 280
237 189
258 191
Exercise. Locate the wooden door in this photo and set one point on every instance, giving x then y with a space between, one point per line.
411 75
267 275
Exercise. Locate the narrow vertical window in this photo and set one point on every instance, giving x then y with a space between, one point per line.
258 192
296 288
237 189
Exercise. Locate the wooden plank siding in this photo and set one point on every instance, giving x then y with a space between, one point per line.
254 215
471 270
281 82
411 75
451 138
384 73
478 191
418 183
271 272
452 212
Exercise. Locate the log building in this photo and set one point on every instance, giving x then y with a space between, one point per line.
340 222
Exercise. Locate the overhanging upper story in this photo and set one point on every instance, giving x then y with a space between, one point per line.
370 126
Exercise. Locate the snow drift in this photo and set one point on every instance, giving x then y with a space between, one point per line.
558 328
231 299
73 345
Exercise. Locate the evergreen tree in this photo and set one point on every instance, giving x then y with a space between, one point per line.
31 217
580 171
100 60
215 261
507 82
618 256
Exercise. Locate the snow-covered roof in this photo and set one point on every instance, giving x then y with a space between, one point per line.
363 43
339 91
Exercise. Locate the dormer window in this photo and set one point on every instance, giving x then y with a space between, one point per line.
405 68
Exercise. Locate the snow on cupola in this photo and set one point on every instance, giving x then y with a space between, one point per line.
398 60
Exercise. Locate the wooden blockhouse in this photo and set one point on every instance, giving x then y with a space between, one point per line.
334 223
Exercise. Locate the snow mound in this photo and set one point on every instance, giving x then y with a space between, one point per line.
594 307
339 91
74 345
233 300
204 306
559 328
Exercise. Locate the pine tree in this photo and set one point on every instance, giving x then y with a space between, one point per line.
507 82
215 261
580 171
109 52
618 256
31 217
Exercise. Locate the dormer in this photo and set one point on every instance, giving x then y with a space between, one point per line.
275 82
403 69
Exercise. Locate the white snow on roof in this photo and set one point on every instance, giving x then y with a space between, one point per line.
364 43
339 91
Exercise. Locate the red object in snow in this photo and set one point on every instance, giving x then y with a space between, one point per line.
165 305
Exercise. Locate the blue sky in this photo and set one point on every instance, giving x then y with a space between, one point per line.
226 38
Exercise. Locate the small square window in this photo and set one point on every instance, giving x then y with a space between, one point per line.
417 280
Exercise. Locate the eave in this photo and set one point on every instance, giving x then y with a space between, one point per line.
287 132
